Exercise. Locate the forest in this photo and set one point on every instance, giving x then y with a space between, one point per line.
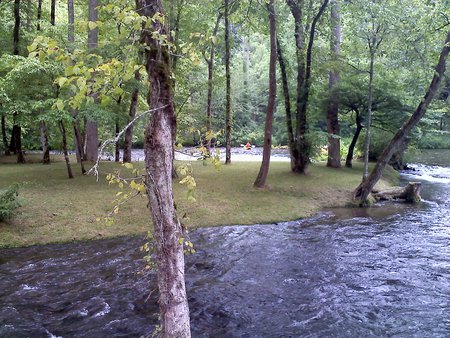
329 80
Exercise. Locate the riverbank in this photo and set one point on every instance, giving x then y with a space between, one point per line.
56 209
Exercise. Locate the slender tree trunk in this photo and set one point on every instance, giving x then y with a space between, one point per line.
362 192
334 144
117 145
159 161
287 103
264 169
228 85
128 141
12 143
52 12
17 135
5 138
71 21
351 148
16 31
369 116
44 142
210 62
39 15
66 154
91 125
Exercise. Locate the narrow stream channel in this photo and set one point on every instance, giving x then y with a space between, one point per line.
381 272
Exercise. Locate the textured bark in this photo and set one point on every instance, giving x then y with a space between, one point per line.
159 161
228 86
4 137
44 142
128 141
71 21
362 192
351 148
17 136
287 102
91 126
333 129
210 62
410 193
260 181
66 154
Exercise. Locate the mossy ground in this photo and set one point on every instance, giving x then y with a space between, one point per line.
56 209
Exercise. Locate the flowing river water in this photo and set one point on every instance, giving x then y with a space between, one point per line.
379 272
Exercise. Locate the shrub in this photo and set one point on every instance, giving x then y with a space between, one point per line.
8 201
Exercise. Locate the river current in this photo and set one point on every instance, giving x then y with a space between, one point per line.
378 272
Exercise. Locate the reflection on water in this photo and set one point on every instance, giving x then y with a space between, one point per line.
385 272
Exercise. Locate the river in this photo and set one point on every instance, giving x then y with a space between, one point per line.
381 272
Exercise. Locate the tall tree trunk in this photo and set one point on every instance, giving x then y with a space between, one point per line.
287 102
44 142
66 154
362 192
71 22
351 148
210 62
39 15
128 141
264 169
228 85
369 116
17 135
5 138
16 31
91 125
117 145
334 144
159 161
52 12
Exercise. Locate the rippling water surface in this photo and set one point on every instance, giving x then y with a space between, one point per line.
384 271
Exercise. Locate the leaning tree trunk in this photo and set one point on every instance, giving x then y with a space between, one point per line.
228 85
64 144
351 148
362 192
264 169
334 144
287 102
159 147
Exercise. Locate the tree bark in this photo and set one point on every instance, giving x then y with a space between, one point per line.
159 147
52 12
16 32
362 192
210 62
91 125
117 145
260 181
351 148
39 15
228 86
128 141
287 102
44 142
333 129
71 21
17 135
64 144
5 138
369 116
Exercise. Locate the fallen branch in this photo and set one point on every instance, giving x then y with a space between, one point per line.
410 193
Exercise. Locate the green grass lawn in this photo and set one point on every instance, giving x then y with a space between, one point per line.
56 209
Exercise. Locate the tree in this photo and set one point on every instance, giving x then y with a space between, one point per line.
260 181
362 192
159 161
228 85
91 125
334 144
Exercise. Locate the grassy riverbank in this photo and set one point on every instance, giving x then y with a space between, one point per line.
56 209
